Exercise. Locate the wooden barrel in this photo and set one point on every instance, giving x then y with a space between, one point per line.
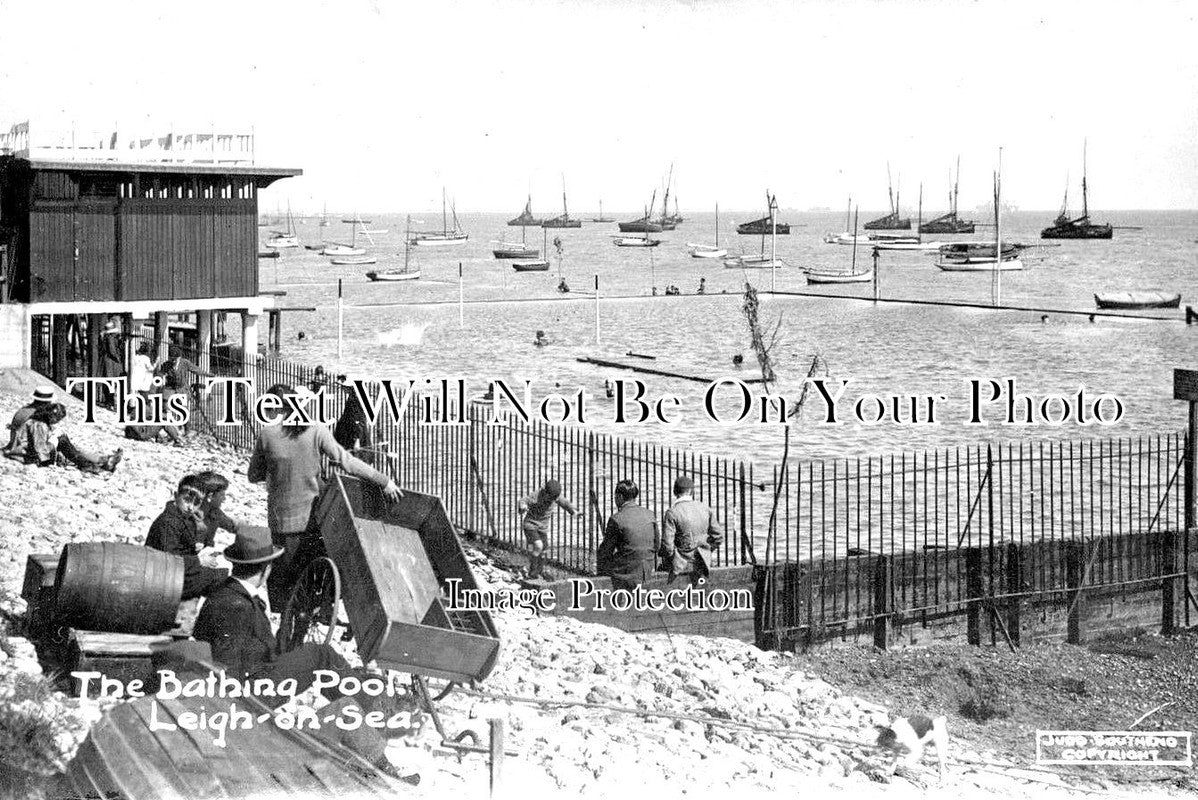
120 588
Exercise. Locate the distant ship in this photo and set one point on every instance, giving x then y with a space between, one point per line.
892 221
950 222
1080 228
526 219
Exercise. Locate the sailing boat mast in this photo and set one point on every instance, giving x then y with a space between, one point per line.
665 200
717 225
919 225
407 242
956 186
1085 200
444 220
889 188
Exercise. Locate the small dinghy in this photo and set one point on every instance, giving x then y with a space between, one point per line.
354 261
1136 300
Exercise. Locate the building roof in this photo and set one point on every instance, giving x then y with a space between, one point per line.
162 167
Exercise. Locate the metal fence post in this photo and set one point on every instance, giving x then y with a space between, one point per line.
973 594
1168 541
1074 569
882 604
1014 581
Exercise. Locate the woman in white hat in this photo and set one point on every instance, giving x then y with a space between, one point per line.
42 396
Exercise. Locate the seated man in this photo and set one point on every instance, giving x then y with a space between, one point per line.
630 540
36 442
234 622
176 531
214 485
42 397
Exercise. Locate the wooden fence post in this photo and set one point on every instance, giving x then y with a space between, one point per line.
882 606
973 594
1074 568
1168 584
496 759
1014 587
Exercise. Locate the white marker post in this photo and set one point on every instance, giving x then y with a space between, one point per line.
340 319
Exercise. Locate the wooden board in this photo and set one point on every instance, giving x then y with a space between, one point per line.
124 757
393 560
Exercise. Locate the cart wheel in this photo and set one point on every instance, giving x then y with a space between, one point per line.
311 612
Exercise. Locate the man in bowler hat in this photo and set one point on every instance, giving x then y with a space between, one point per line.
630 540
686 524
234 623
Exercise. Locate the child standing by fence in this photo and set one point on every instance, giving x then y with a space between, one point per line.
536 509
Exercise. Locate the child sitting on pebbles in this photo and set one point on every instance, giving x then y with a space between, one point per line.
536 509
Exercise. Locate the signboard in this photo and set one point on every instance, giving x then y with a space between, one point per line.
1156 748
1185 384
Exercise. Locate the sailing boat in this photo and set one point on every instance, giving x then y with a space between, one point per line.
446 236
893 241
993 257
950 222
535 264
526 219
1081 228
675 219
601 218
350 250
765 226
892 221
707 250
819 276
644 224
405 274
772 227
564 220
282 240
324 216
636 241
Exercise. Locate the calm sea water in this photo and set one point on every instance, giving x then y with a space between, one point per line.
885 349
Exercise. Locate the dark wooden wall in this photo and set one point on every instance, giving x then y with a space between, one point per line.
80 236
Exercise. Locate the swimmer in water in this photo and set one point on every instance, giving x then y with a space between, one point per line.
738 359
608 388
541 339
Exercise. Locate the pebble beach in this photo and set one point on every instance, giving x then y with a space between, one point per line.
591 711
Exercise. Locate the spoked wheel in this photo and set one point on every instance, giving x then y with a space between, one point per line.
311 612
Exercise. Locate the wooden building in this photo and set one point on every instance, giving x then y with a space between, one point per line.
93 228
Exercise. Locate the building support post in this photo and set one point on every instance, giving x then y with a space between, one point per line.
161 336
249 343
204 340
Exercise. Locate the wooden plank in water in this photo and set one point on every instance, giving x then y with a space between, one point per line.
600 362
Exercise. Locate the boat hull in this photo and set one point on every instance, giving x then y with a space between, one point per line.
1075 231
640 226
979 265
530 266
390 276
1130 301
516 252
817 276
439 240
753 262
956 226
354 261
890 222
763 228
918 246
636 242
562 223
283 242
706 251
343 252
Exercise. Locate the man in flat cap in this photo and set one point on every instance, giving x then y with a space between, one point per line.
234 621
686 524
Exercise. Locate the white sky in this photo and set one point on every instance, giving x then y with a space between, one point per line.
382 103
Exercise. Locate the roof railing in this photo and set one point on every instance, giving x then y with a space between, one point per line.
182 147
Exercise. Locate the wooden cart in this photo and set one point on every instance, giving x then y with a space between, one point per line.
389 564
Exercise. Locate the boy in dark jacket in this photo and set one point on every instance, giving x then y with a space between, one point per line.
176 531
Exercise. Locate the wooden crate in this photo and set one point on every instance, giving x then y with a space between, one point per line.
38 592
124 656
394 559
